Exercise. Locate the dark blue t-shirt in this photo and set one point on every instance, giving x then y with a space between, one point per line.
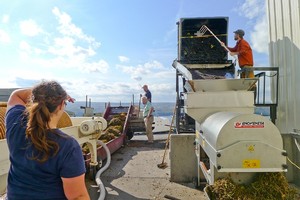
148 95
30 179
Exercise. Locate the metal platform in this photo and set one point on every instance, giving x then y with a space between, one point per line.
134 175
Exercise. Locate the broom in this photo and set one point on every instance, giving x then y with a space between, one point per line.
163 164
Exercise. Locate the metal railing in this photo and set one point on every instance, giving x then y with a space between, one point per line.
262 91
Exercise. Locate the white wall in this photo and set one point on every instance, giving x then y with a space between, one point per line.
284 30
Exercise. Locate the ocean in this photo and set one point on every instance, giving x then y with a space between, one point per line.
162 109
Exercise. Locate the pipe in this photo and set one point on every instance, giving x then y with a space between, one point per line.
98 174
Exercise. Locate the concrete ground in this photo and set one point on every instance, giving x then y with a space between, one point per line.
133 174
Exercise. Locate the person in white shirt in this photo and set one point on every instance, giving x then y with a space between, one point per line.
148 118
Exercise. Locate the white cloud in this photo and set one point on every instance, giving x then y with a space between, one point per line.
165 74
123 59
75 63
162 88
24 46
134 71
27 52
30 28
153 65
67 28
260 36
100 90
63 47
101 66
255 11
25 74
141 70
4 37
252 8
68 47
5 19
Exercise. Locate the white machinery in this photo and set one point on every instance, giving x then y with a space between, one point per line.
83 129
230 139
87 130
238 145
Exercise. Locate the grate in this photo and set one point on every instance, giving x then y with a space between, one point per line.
203 29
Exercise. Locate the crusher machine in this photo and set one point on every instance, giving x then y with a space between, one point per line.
230 139
113 144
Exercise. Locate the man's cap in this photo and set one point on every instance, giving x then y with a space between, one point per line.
145 86
240 32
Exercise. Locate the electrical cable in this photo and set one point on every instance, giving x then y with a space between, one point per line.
270 76
97 178
293 163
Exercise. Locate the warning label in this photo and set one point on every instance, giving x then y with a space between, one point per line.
251 163
249 125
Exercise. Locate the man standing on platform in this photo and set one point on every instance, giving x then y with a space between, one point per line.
148 118
243 51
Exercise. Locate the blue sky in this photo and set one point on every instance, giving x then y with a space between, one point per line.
107 49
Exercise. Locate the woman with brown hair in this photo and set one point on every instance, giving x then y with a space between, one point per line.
45 162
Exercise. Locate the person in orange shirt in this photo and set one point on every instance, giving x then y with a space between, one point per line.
243 51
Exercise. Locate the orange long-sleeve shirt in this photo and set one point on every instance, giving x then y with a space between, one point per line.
244 53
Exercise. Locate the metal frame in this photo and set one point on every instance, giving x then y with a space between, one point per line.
259 102
262 81
180 103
